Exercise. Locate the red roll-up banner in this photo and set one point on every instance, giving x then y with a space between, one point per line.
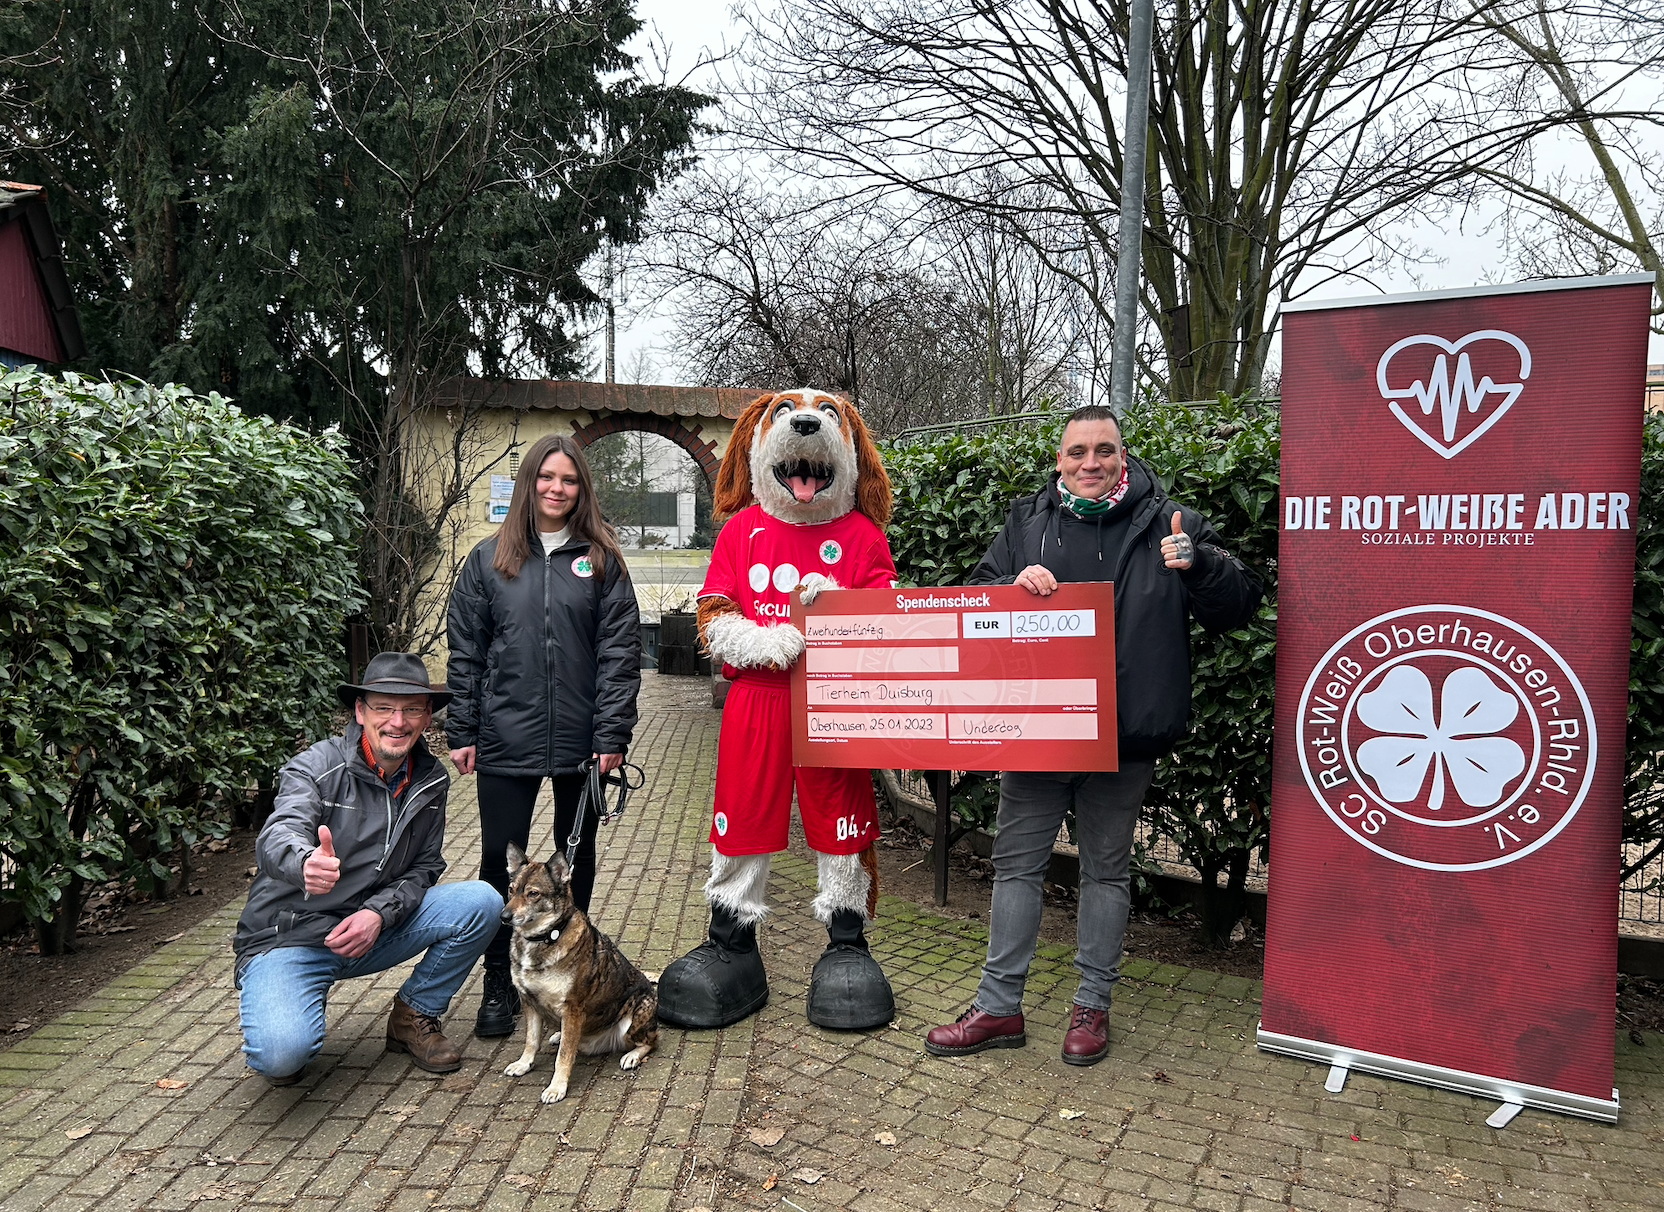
1460 474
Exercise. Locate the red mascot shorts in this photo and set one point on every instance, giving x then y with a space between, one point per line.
755 776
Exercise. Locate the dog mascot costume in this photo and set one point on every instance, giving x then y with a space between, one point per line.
806 498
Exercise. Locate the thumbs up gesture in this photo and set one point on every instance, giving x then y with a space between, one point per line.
1177 548
322 869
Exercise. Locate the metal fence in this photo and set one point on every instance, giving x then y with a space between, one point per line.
1640 897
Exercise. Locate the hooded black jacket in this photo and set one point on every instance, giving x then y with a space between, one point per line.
1152 633
546 667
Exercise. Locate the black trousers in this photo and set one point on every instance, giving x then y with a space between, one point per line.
506 804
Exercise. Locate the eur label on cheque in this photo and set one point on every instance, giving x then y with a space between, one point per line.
983 678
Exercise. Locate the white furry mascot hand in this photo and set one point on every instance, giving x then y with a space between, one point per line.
735 640
814 584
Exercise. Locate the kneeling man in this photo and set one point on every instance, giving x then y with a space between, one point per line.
348 866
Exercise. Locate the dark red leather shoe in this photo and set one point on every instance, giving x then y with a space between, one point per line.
974 1032
1087 1041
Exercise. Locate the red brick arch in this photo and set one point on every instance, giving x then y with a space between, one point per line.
690 440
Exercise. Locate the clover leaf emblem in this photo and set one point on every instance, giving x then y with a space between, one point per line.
1462 740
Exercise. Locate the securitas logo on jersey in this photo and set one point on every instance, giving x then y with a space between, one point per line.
1449 408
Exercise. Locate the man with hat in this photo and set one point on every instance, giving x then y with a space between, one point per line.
349 865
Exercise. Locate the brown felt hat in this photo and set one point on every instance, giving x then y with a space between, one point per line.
394 673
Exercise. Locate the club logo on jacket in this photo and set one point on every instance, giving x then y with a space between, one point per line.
581 567
1446 738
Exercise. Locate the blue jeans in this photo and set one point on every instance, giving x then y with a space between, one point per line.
1031 812
285 989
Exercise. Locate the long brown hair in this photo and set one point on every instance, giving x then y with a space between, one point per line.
514 544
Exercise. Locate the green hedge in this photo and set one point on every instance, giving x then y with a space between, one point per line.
173 579
1212 794
952 494
1643 770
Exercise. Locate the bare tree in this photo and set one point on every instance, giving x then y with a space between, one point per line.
1021 315
1577 85
920 314
1283 136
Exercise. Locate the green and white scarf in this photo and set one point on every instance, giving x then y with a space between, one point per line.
1084 507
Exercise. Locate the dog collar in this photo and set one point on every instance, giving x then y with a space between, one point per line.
551 934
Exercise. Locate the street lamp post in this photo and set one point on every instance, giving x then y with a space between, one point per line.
1129 257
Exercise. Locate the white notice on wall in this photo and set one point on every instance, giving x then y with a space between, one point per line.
502 491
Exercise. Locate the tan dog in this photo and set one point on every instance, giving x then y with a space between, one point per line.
568 972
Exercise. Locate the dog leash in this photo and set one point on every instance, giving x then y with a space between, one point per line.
629 777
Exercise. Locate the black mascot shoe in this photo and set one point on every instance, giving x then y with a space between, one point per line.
498 1006
717 983
848 991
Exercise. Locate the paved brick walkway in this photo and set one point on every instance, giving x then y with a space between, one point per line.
1184 1114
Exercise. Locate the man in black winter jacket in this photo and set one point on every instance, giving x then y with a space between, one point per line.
1103 517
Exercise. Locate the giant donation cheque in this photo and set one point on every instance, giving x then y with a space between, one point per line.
988 677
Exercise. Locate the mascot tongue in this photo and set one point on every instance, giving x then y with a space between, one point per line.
804 488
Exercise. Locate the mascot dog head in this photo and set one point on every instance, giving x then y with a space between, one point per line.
805 457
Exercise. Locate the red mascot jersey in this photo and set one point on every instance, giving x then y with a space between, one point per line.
759 560
757 563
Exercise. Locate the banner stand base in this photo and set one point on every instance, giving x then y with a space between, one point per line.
1514 1096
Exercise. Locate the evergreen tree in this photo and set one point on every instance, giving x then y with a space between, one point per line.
327 209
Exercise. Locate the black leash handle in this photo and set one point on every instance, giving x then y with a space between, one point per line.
627 778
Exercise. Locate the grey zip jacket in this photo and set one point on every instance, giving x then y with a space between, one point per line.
390 856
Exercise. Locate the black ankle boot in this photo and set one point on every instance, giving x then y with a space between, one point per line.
498 1006
848 991
720 981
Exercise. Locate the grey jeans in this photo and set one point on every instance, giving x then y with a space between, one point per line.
1031 812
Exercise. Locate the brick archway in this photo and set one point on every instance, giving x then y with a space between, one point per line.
690 439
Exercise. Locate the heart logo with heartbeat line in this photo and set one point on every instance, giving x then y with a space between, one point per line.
1441 400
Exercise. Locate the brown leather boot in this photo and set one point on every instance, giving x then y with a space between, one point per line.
420 1035
974 1031
1087 1041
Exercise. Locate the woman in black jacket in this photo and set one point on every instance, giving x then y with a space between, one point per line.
545 666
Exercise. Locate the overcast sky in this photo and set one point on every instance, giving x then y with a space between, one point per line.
691 28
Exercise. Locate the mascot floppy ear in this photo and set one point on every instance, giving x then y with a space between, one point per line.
872 487
733 479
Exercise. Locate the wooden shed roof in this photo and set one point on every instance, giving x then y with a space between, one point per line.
38 317
572 395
